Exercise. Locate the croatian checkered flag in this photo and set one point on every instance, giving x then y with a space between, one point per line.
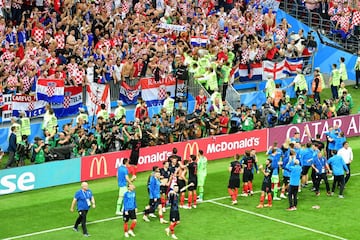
67 97
162 92
50 91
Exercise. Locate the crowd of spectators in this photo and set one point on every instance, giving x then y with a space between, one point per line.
112 41
343 14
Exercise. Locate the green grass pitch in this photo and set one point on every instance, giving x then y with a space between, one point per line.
44 214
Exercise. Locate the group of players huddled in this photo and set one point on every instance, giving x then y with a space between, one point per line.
168 185
295 161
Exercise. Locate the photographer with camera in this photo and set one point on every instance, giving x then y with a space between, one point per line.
300 110
286 114
345 104
38 151
248 120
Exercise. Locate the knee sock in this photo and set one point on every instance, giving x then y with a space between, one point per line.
201 192
269 199
182 199
250 186
125 227
133 224
195 198
231 193
163 201
189 199
172 227
262 198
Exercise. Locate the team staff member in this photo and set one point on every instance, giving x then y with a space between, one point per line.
266 185
84 199
234 181
338 166
347 154
295 172
320 166
123 180
130 209
201 174
192 168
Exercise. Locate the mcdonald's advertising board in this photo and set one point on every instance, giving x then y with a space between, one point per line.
216 147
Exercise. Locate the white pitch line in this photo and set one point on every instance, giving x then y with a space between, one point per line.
106 220
278 220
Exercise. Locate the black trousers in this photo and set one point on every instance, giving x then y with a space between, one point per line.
357 77
293 191
347 177
317 181
81 219
338 180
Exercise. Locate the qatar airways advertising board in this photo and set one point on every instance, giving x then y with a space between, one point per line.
350 125
216 147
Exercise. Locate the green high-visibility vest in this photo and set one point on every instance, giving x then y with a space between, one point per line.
25 126
211 82
301 84
119 112
335 77
226 73
343 74
104 113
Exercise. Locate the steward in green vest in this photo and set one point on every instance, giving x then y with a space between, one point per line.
103 112
334 81
225 70
342 70
82 118
25 124
120 111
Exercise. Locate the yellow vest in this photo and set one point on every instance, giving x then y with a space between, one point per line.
103 113
119 112
51 124
83 116
335 77
301 84
169 105
343 74
25 126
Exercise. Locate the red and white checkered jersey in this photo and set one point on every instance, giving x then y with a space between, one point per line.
355 19
12 80
38 34
60 40
244 56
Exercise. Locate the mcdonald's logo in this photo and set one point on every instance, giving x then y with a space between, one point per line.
191 149
98 162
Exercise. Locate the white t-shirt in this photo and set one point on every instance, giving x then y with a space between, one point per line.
346 154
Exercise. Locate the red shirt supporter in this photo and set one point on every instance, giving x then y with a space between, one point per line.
224 122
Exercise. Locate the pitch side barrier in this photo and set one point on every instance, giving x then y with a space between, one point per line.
104 165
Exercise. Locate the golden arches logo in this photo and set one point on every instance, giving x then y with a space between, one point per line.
98 162
191 149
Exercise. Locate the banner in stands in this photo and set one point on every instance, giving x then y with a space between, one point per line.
96 94
72 101
350 125
50 90
129 95
247 73
282 69
216 147
154 92
6 107
29 104
37 176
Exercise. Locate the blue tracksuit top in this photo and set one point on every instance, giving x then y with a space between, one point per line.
320 164
154 187
338 165
306 156
129 201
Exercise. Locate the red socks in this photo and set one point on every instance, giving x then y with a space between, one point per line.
182 199
126 227
245 188
190 197
250 186
163 201
269 199
133 224
195 198
262 198
231 193
172 227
